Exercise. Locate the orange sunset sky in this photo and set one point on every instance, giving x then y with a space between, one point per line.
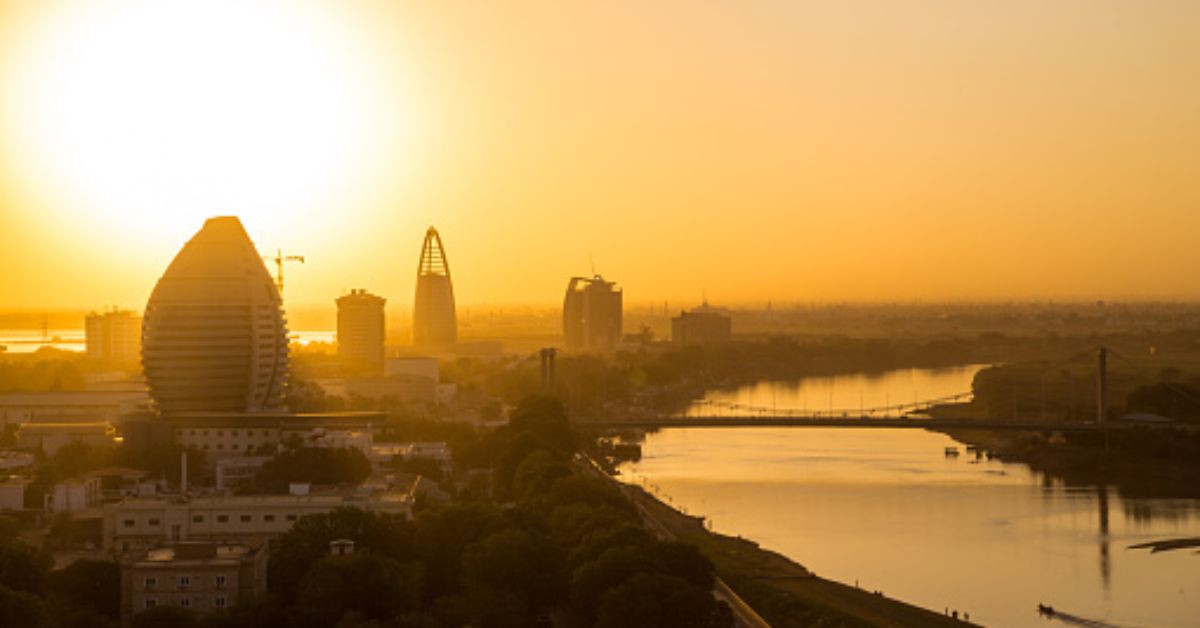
784 150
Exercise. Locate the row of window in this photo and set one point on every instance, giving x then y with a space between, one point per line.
222 432
218 602
151 582
269 518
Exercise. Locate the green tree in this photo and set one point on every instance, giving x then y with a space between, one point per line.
537 473
375 587
599 541
21 608
546 418
441 536
384 535
319 465
513 562
22 567
165 617
94 585
658 601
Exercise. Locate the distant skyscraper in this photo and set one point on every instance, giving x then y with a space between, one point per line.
114 337
705 325
592 314
360 332
214 337
434 322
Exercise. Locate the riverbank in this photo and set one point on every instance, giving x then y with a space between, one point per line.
782 591
1145 463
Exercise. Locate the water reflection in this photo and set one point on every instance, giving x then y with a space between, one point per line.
843 394
887 508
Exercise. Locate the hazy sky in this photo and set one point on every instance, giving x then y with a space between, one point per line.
782 150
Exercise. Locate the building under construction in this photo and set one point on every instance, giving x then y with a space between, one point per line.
435 325
592 314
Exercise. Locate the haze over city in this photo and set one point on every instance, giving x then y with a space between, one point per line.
672 314
786 151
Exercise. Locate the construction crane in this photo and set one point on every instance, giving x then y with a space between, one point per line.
279 258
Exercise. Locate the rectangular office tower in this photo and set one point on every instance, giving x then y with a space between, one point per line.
360 332
114 337
705 325
592 314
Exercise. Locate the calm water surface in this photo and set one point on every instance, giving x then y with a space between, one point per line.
30 340
888 509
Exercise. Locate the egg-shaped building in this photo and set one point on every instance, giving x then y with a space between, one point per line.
214 336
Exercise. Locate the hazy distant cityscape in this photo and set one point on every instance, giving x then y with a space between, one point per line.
599 314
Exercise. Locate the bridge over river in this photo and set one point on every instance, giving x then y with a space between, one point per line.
846 421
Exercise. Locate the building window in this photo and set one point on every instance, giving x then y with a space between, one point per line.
291 517
219 446
246 518
219 602
151 603
222 518
205 446
206 432
128 523
152 521
185 582
185 603
151 582
193 432
269 518
233 446
233 433
220 580
220 433
197 518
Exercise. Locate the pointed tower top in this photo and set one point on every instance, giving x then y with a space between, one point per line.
433 256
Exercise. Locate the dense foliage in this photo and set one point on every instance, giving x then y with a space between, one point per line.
316 465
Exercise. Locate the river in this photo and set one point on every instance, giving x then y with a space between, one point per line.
886 508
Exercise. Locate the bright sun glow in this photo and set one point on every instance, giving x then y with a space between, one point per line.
155 114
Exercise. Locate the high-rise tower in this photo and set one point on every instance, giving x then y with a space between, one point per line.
360 332
114 337
214 337
592 314
435 324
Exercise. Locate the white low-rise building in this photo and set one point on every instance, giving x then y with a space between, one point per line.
75 494
90 405
50 436
12 460
240 434
234 471
12 494
137 524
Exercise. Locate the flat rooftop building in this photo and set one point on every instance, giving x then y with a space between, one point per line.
201 577
360 332
704 325
114 337
592 311
136 524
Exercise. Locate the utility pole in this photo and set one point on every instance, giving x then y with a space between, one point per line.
1102 385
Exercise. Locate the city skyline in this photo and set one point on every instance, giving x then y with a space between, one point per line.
788 152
